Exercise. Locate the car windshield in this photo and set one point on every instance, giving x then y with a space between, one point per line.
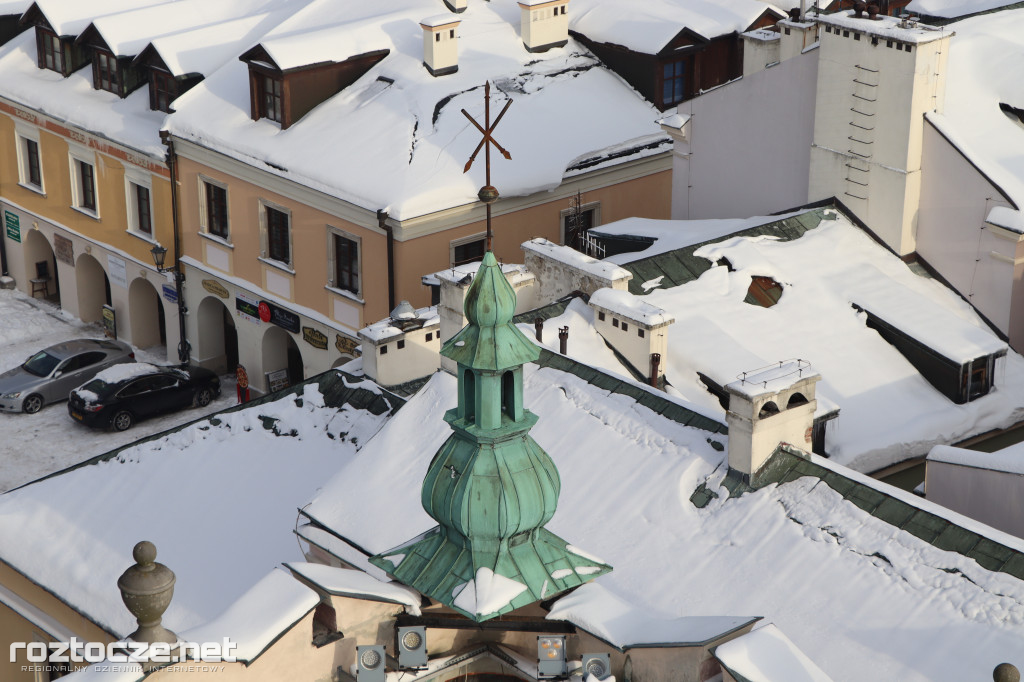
95 386
40 364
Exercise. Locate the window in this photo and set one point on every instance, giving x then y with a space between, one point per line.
344 267
30 172
401 344
625 327
384 350
467 250
163 89
437 37
213 217
673 82
600 316
270 100
277 243
640 333
139 202
105 76
430 336
51 52
615 322
83 181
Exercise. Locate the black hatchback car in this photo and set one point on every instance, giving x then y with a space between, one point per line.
118 397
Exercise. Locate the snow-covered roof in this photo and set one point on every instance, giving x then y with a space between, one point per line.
259 616
9 7
515 273
985 69
385 329
767 655
625 626
885 27
238 483
630 306
1009 459
772 378
889 411
904 608
205 49
352 583
405 139
127 33
71 17
649 25
573 258
950 9
1007 218
73 100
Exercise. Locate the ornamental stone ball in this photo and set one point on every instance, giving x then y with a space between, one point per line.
1006 672
146 589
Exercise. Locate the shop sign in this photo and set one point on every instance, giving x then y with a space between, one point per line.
63 249
277 380
170 293
109 321
247 308
345 344
13 223
215 288
117 271
314 337
275 314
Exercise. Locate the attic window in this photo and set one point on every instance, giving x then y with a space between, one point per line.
105 74
163 89
51 51
763 291
270 98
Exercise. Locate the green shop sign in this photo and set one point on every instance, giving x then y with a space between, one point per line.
13 223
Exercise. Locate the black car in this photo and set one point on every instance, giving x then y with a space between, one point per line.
124 394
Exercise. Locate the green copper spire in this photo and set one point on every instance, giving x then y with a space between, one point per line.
490 487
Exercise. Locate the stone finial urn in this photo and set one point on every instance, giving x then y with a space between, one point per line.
146 589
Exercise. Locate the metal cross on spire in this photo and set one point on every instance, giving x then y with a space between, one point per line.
488 194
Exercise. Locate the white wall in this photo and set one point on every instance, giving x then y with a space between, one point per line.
992 497
892 89
955 199
747 145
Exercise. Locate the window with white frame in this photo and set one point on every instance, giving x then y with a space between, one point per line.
30 169
213 208
139 202
83 181
276 233
343 261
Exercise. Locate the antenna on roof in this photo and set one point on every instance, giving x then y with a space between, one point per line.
488 194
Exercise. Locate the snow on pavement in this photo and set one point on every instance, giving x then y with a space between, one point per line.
34 445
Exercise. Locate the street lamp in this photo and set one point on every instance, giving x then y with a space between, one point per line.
159 254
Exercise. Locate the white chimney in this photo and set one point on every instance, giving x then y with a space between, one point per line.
403 347
767 407
633 327
441 44
544 24
458 6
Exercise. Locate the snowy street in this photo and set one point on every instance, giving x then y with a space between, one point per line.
34 445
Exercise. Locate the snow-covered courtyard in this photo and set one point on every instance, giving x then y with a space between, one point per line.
34 445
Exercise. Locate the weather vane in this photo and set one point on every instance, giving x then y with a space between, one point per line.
488 194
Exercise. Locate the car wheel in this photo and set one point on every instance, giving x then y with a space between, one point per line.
204 397
122 421
32 404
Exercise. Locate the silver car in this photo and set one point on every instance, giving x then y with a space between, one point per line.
49 375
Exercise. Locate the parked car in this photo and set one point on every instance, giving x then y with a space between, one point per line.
120 396
49 375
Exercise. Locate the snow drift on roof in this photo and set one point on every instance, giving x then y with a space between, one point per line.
648 25
985 69
71 17
767 655
950 9
353 583
1009 460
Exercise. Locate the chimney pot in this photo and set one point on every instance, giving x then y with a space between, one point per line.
544 24
563 340
441 45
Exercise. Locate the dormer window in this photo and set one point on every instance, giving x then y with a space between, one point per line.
105 73
270 98
51 51
163 89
